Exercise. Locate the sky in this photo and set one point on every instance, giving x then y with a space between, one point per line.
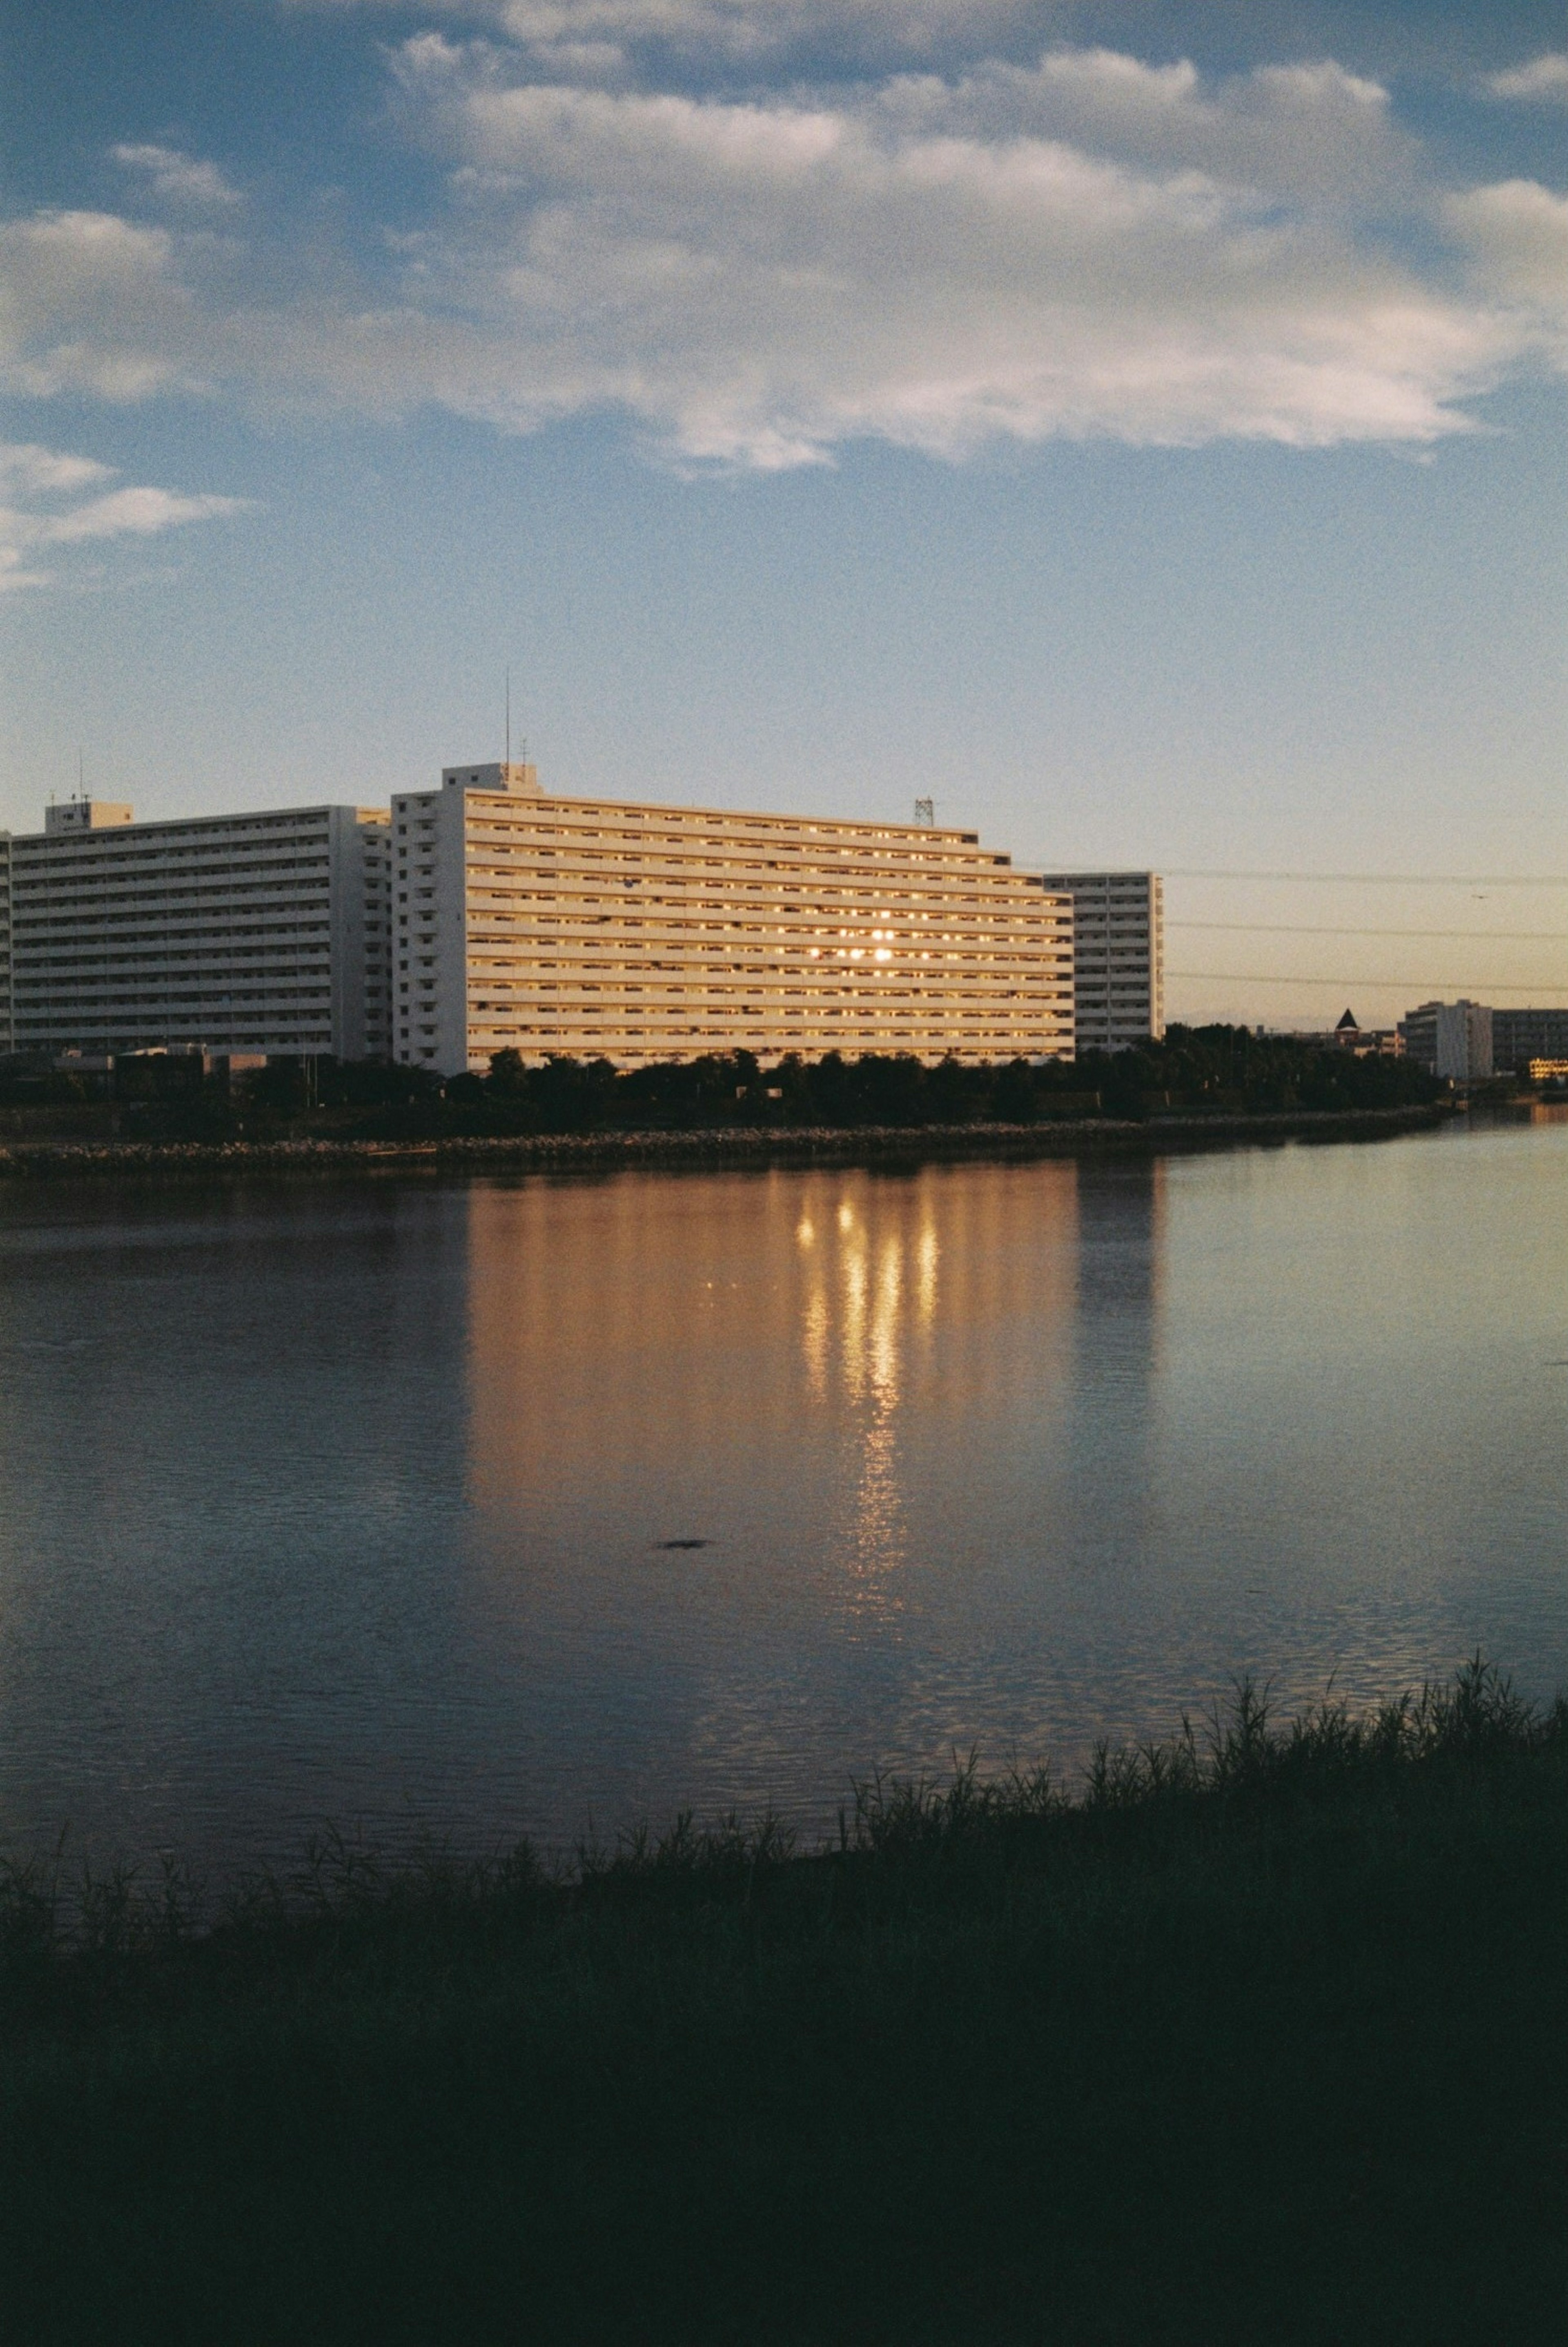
1138 428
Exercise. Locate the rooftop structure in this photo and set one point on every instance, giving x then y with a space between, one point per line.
599 928
85 815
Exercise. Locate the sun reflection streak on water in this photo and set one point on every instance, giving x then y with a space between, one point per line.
874 1380
871 1290
927 1256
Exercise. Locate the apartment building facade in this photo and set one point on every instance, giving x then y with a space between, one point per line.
1119 956
1518 1037
267 932
1449 1039
4 941
636 933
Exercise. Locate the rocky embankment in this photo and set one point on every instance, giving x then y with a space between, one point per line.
711 1145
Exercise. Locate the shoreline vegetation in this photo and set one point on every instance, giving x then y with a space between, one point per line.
708 1145
1256 2033
167 1114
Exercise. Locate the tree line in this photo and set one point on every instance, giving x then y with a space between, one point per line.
1192 1070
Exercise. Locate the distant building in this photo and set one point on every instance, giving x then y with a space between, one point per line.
244 933
1119 956
1345 1035
5 1042
1449 1039
1520 1036
1547 1071
599 928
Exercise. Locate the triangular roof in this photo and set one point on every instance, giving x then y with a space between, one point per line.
1347 1021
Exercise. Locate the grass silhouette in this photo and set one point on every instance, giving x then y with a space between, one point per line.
1258 2032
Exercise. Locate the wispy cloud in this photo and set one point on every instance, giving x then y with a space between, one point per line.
42 507
719 39
1088 244
180 178
1544 81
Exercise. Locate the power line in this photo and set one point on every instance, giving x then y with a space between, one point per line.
1387 879
1311 929
1271 977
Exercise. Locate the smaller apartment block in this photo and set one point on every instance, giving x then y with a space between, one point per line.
1449 1039
635 933
264 933
1520 1037
4 941
1119 956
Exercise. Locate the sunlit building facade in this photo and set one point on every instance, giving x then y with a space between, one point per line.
600 928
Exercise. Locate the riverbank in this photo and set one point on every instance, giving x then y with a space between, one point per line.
1261 2037
737 1144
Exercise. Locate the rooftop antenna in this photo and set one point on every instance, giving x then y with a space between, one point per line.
508 712
81 786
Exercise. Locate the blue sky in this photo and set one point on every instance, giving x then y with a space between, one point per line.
1138 428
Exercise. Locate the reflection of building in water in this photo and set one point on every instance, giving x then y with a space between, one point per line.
1120 1281
936 1310
814 1346
1121 1256
631 1331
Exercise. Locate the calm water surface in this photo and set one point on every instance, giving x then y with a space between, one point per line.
356 1502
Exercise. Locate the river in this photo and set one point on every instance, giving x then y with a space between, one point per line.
485 1507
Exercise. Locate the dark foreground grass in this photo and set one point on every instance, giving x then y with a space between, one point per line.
1261 2039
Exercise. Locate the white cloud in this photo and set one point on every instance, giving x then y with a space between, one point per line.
1089 245
1518 233
89 302
1312 133
27 470
30 474
1544 81
747 37
180 178
1085 245
752 35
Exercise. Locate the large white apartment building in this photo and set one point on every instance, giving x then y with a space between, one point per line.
1119 956
600 928
252 933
